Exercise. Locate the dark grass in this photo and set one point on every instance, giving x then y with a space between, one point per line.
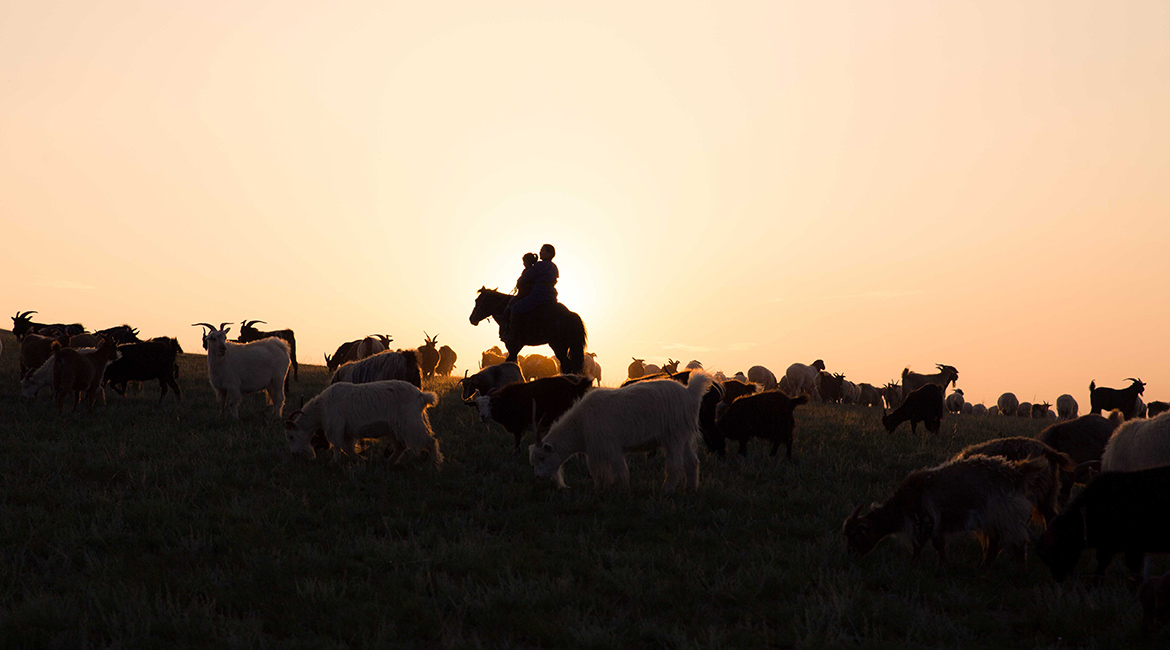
157 527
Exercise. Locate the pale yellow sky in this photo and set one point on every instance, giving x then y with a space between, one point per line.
981 184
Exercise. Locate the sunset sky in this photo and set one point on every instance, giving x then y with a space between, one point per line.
880 185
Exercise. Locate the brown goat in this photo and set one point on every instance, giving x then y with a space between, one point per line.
428 355
983 494
75 371
1020 448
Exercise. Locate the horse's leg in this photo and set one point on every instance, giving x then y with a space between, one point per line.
513 353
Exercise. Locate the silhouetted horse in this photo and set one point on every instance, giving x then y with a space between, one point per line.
553 324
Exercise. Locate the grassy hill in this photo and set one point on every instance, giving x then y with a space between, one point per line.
164 526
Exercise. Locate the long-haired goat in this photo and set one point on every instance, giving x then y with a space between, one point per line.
1008 404
1118 512
347 413
912 381
608 422
491 378
382 366
1020 448
802 378
236 369
1138 444
1124 400
980 493
767 415
249 333
923 405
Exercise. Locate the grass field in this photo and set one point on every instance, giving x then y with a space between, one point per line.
143 526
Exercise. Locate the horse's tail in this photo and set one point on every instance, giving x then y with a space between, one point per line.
578 337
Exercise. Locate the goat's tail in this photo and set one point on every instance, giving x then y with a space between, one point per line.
698 384
1092 385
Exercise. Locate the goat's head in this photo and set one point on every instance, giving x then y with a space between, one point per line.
430 340
671 366
860 533
818 364
544 459
1141 385
214 339
300 439
22 323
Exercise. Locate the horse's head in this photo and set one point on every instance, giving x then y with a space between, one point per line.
486 303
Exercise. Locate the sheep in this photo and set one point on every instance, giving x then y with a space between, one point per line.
347 413
1154 596
912 381
153 359
994 410
980 493
766 415
332 362
637 369
1019 448
892 394
868 395
693 364
802 378
249 333
447 358
968 408
1157 408
1118 512
532 405
1138 444
923 405
979 409
235 369
608 422
75 371
536 366
1040 411
1066 407
1083 439
1124 400
381 367
428 356
955 401
1024 410
492 356
762 376
590 368
1008 404
830 386
491 378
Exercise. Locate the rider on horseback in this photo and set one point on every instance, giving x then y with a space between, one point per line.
536 286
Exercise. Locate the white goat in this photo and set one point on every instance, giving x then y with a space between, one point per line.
762 376
801 378
1138 444
1067 407
381 367
591 369
608 422
42 377
235 369
347 413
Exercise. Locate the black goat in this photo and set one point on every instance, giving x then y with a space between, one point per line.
153 359
1154 409
338 358
766 415
1124 400
1084 440
248 333
923 405
22 324
121 334
532 405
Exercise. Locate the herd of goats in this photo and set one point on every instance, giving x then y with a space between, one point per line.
994 489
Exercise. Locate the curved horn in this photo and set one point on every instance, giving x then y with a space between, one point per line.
262 322
465 373
207 325
1132 379
222 325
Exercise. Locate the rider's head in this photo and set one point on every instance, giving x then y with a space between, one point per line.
529 259
547 252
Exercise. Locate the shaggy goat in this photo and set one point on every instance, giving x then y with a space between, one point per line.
447 358
1118 512
1019 448
491 378
1138 444
762 376
912 381
75 371
802 378
955 401
249 333
767 415
532 405
1066 407
1008 404
923 405
235 369
1125 400
980 493
428 355
347 413
382 366
608 422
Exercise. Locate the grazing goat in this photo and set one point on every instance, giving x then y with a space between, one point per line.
1019 448
802 378
980 493
830 386
34 380
249 333
590 368
869 395
762 376
1124 400
955 401
994 410
1138 444
35 350
121 334
1157 408
1154 596
153 359
1024 410
382 366
968 408
366 348
428 356
1040 411
923 405
492 356
1118 512
236 369
347 413
22 325
637 369
1008 404
447 358
1066 407
912 381
608 422
1083 440
332 362
532 405
75 371
491 378
767 415
979 409
892 394
536 366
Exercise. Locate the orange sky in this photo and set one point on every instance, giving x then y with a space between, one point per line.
981 184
